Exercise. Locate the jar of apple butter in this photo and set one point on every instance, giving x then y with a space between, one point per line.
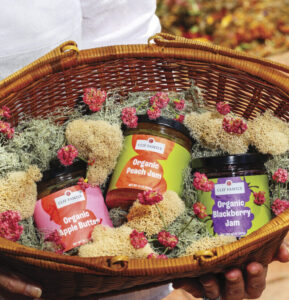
64 205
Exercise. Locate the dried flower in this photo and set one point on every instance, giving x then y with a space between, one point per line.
168 240
234 125
202 183
91 162
129 117
94 98
153 112
5 112
179 104
55 237
180 118
223 108
200 210
153 255
149 197
259 197
67 154
281 175
83 183
138 239
160 100
279 206
9 226
6 129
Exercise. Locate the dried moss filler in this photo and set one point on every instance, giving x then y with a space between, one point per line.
239 202
153 158
64 206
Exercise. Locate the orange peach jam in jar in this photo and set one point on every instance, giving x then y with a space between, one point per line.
153 158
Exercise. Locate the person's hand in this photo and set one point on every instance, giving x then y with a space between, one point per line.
233 284
12 283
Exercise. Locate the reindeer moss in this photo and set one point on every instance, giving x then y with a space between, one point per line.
117 216
31 236
36 142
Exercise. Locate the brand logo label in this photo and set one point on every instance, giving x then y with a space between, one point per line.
150 145
229 188
69 197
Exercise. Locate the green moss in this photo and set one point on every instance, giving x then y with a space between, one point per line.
272 165
117 216
36 142
31 236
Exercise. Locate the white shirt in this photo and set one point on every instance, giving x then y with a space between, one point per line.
31 28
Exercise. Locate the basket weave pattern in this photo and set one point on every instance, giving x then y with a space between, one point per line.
249 84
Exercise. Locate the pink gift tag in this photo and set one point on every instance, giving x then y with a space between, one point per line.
73 212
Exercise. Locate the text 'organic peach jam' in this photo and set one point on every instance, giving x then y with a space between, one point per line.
153 158
66 207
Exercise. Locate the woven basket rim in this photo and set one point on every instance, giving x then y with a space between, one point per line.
166 46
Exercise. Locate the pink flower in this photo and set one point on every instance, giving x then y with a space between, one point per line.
94 98
281 175
9 227
55 237
129 117
237 125
180 118
202 183
179 104
149 197
200 210
5 112
6 129
259 197
223 108
160 100
168 240
153 255
83 183
279 206
67 154
138 239
91 162
153 113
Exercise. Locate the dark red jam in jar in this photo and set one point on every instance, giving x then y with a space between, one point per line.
239 202
65 206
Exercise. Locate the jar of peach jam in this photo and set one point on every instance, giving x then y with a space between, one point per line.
154 157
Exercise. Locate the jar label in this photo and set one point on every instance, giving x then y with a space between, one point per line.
150 163
232 207
73 212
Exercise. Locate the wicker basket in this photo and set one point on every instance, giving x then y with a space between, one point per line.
249 84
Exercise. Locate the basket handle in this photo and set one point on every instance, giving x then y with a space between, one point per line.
51 59
169 40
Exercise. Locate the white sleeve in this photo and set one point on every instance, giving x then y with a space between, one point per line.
31 28
116 22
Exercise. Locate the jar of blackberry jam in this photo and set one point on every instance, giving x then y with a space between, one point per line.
239 202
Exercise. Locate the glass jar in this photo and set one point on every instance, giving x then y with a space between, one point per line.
153 158
239 202
65 206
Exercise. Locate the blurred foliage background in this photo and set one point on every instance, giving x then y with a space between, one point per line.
260 27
